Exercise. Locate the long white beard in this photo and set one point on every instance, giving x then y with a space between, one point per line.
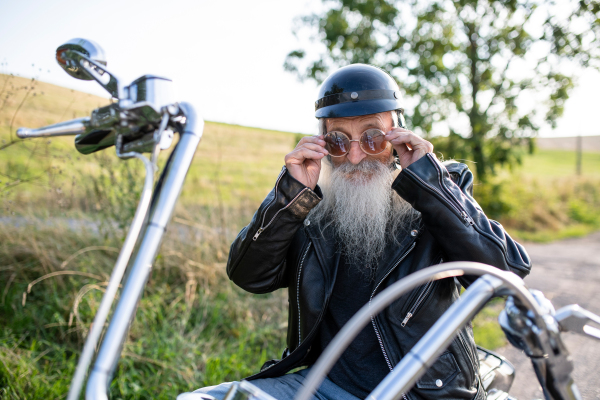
366 214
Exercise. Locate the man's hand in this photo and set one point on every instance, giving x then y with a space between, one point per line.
409 146
304 162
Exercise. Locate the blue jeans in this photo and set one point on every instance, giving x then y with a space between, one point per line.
284 387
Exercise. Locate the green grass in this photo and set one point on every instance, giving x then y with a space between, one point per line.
552 164
193 326
485 326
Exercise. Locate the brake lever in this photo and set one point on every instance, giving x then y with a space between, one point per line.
67 128
574 318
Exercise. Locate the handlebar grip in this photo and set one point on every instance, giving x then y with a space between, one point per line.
67 128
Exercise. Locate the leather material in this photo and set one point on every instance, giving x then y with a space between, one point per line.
281 248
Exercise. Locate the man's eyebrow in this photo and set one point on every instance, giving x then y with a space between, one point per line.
370 125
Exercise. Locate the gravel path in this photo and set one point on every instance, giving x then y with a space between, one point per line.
567 272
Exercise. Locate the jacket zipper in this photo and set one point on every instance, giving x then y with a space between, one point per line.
466 216
422 296
298 292
456 207
271 202
420 299
263 227
462 341
387 360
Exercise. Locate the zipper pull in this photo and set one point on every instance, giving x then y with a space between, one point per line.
468 220
405 321
257 234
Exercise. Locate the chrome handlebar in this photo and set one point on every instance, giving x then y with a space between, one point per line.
533 322
67 128
142 120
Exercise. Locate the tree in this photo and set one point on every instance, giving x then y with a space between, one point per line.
490 72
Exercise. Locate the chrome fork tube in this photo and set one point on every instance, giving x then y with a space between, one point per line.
115 278
163 205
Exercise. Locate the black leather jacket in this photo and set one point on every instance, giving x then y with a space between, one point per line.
280 248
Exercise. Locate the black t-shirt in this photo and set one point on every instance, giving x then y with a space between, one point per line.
362 365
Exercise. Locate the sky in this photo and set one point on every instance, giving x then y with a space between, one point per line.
225 57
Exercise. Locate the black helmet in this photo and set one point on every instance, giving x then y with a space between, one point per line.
358 89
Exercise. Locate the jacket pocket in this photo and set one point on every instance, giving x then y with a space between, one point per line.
440 374
415 303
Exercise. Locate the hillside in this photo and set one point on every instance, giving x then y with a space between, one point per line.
233 164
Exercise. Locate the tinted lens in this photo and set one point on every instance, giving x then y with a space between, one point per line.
372 141
337 143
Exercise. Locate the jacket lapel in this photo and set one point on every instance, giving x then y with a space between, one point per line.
323 241
393 252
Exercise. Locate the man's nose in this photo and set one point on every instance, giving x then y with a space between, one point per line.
355 155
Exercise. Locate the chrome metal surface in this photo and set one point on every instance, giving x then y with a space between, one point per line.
115 278
86 47
495 394
67 128
576 319
339 343
85 59
163 203
414 364
244 390
495 371
151 90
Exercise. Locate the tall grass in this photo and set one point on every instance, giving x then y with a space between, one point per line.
193 327
543 210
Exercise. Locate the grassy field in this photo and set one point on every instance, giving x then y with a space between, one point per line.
193 327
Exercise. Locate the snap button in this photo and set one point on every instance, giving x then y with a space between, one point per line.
354 95
438 383
414 232
306 222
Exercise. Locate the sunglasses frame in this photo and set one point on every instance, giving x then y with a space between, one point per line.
356 140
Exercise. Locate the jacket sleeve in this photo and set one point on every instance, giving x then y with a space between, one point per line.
257 256
454 218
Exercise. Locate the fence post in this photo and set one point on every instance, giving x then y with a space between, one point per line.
578 155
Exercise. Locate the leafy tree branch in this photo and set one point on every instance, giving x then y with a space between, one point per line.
490 71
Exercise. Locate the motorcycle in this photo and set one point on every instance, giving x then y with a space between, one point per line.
144 118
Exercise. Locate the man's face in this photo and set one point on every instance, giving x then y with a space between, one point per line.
354 127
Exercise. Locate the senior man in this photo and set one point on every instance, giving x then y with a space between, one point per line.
384 207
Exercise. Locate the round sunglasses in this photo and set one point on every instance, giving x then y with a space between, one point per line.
371 142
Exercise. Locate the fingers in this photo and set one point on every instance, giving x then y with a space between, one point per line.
399 136
304 162
318 140
409 146
298 156
308 148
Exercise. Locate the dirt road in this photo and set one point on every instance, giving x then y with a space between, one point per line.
567 272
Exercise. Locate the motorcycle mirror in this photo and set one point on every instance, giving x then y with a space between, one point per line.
71 64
